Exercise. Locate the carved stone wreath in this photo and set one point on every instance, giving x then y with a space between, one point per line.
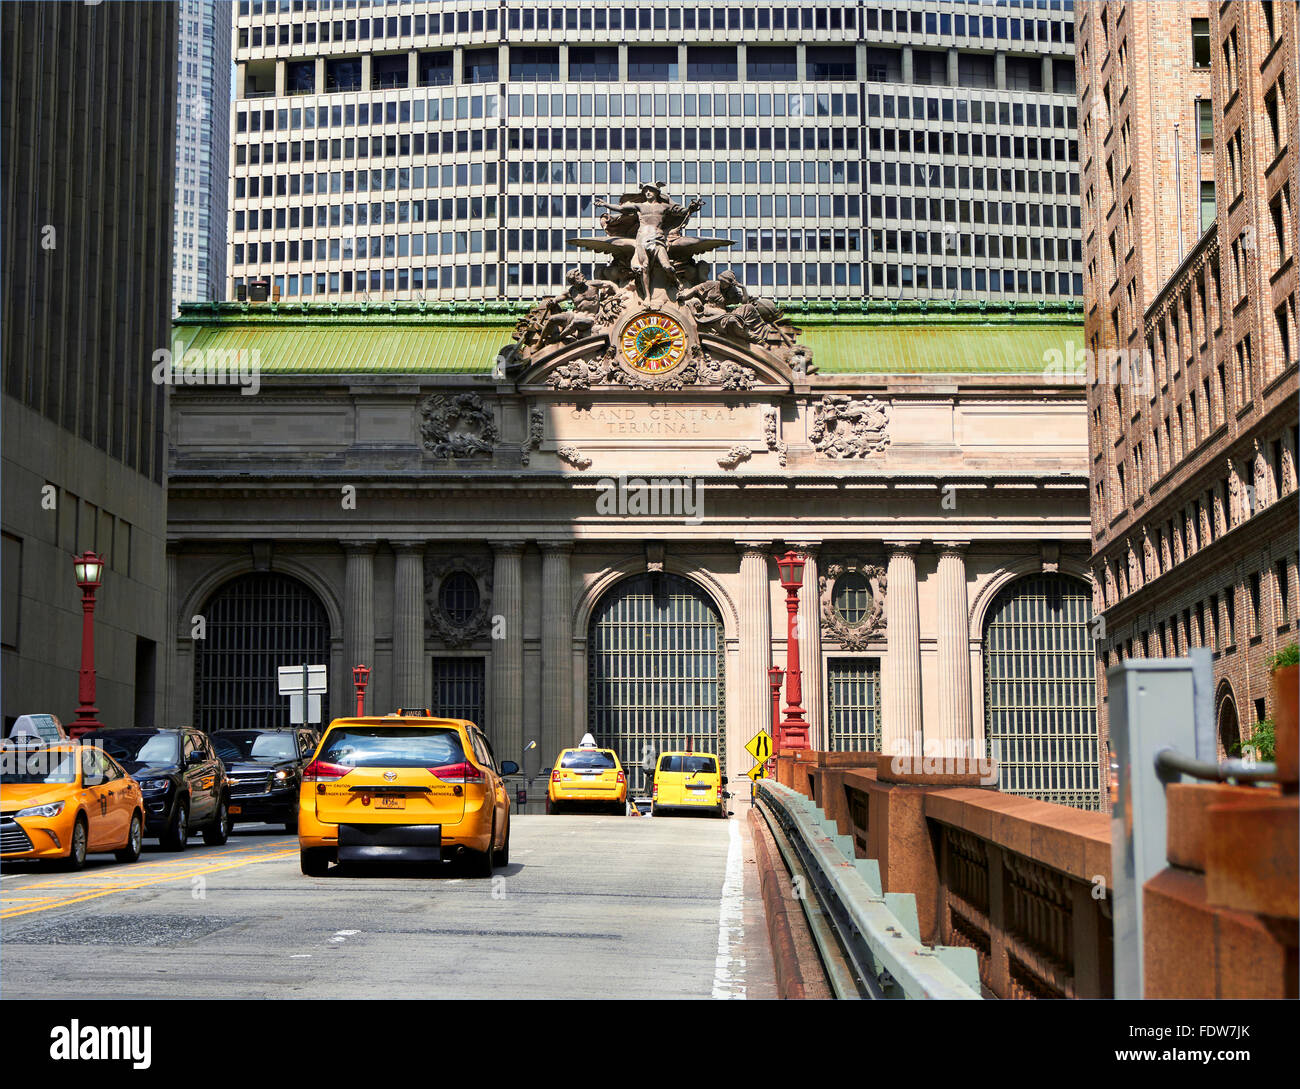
735 456
834 626
437 624
849 427
457 425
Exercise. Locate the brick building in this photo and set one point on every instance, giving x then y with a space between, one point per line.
1191 179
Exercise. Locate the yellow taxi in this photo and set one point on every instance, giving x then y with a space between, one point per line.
407 787
63 801
587 774
688 782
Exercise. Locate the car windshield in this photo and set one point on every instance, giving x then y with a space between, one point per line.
254 745
588 759
141 748
392 747
27 766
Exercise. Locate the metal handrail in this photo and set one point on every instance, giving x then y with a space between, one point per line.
887 955
1247 771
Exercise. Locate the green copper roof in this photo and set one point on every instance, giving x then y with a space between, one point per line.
867 337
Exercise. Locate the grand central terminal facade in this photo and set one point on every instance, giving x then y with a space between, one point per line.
566 519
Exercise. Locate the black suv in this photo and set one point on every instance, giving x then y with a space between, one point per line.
184 782
265 768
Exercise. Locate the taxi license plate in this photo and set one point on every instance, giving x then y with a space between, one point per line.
388 801
235 809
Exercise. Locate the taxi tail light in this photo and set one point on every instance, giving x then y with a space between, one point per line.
555 775
621 779
464 772
318 771
654 792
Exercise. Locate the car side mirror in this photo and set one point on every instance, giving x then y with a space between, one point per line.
196 757
509 767
724 780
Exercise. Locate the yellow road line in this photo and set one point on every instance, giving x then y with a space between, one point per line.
27 907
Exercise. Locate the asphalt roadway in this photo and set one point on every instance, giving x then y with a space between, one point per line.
589 907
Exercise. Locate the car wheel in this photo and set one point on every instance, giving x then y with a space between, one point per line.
77 848
314 861
479 863
178 832
134 840
216 833
291 827
552 807
654 810
502 857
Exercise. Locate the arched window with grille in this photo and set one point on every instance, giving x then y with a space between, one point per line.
1040 692
256 623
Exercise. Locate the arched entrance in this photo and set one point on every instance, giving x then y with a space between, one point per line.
253 625
655 670
1229 725
1040 696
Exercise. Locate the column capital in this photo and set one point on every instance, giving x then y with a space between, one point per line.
508 547
764 548
952 548
555 547
806 548
359 548
407 547
906 548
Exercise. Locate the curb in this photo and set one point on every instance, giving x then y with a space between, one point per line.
780 936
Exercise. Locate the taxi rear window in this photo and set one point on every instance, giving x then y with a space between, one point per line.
692 765
588 759
392 747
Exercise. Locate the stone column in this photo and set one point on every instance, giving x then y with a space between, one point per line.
954 726
810 642
506 730
408 626
558 726
901 696
359 608
755 637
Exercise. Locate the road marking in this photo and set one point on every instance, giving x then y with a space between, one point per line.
199 868
729 968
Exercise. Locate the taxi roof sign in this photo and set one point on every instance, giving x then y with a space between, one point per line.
587 742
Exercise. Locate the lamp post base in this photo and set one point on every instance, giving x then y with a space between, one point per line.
85 722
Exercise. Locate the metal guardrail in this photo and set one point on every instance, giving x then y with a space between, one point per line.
876 931
1245 771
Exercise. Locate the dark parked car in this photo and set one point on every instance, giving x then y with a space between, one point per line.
184 782
265 769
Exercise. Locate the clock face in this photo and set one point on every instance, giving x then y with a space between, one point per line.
653 343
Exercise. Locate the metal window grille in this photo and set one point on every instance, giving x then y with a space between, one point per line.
1040 695
655 653
255 624
853 704
458 597
852 597
458 688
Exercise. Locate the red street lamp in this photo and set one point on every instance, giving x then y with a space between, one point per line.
793 731
361 678
774 676
89 570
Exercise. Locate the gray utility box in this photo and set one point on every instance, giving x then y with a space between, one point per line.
1154 703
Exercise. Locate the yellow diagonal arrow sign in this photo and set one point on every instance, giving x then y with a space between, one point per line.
757 772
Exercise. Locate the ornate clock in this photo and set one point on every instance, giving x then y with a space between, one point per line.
653 343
